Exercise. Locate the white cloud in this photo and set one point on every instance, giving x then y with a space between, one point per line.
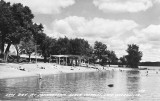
150 53
148 40
157 1
97 27
116 34
107 31
45 6
123 5
152 32
132 40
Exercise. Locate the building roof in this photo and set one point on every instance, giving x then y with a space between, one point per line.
32 56
66 55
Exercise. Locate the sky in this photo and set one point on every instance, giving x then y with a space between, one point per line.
115 23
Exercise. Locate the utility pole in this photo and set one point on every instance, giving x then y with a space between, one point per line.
36 52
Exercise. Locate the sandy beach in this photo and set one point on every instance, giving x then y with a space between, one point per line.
12 70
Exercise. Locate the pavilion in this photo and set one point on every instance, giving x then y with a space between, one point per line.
69 60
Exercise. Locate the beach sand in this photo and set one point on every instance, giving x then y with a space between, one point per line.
7 71
12 70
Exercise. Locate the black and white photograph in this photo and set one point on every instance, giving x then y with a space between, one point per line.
79 50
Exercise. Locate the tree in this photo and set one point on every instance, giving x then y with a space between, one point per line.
15 22
5 22
100 52
104 60
79 47
27 47
46 45
134 56
100 49
71 46
62 46
112 58
123 61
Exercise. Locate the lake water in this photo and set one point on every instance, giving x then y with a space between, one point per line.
93 86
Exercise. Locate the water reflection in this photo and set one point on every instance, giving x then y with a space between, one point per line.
133 87
2 88
76 83
126 82
13 88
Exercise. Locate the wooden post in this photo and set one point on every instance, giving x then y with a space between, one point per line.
66 61
80 60
36 53
59 60
88 61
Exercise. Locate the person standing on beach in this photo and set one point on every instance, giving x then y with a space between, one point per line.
74 63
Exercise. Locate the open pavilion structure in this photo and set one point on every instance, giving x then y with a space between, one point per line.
69 60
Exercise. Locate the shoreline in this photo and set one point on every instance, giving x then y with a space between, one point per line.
16 70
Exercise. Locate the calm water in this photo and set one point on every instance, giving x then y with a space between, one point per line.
128 86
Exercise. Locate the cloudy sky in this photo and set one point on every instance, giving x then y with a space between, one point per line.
113 22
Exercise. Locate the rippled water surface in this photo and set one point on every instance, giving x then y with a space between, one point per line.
127 86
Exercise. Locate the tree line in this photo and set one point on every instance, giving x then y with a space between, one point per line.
150 64
17 28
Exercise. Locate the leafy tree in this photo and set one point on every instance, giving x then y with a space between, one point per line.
62 46
5 22
15 21
79 47
104 55
89 51
123 61
27 47
104 60
46 46
71 46
134 56
100 50
37 32
112 58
